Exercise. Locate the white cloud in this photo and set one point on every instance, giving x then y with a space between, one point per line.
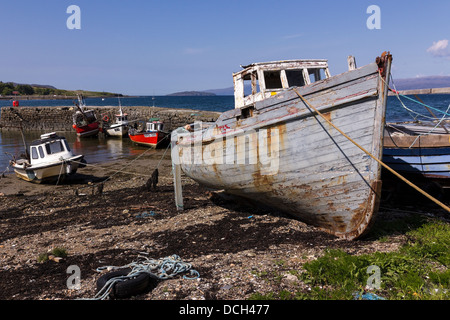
440 49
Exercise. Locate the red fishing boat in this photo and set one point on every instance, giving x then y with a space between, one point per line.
85 122
152 136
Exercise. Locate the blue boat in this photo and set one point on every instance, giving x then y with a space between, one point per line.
428 162
419 151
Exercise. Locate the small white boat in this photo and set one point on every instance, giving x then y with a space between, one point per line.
120 127
48 159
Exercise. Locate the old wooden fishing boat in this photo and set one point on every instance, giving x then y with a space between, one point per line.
153 135
48 159
85 121
419 151
274 149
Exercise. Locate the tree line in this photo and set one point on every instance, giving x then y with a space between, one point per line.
10 89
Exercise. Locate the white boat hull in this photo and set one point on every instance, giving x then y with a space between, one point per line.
48 173
117 131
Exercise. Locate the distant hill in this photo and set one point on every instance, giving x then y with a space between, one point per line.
222 92
35 85
422 83
33 90
191 94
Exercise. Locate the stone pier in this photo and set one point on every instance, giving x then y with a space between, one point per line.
60 118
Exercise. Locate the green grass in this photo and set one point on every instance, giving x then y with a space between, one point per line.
417 271
57 252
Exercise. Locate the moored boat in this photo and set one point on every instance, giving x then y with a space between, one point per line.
120 127
85 122
48 159
275 150
419 151
153 135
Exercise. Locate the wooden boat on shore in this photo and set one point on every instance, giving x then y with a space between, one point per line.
419 151
153 135
85 122
48 159
275 150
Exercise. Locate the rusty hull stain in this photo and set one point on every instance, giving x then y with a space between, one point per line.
364 216
327 116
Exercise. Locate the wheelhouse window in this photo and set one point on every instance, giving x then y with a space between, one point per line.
316 74
66 144
295 78
273 79
251 84
34 153
41 152
54 147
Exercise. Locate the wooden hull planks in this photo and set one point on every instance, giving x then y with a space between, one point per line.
285 156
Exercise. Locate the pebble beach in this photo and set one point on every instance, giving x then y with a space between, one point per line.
238 251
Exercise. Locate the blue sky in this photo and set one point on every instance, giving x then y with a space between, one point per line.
159 47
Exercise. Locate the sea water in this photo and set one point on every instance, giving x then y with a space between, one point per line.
101 149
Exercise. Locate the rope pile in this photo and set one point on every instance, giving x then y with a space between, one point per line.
161 269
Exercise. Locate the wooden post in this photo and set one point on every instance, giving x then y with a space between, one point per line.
351 63
176 169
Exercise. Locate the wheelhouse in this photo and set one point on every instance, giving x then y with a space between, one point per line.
49 147
120 118
84 118
155 126
259 81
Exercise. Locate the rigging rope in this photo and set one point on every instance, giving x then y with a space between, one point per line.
429 132
398 94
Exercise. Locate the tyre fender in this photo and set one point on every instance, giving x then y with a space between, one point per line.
128 287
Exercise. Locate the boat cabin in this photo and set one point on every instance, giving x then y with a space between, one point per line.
50 148
259 81
155 125
121 118
84 118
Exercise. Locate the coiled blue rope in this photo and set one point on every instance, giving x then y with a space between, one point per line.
163 269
